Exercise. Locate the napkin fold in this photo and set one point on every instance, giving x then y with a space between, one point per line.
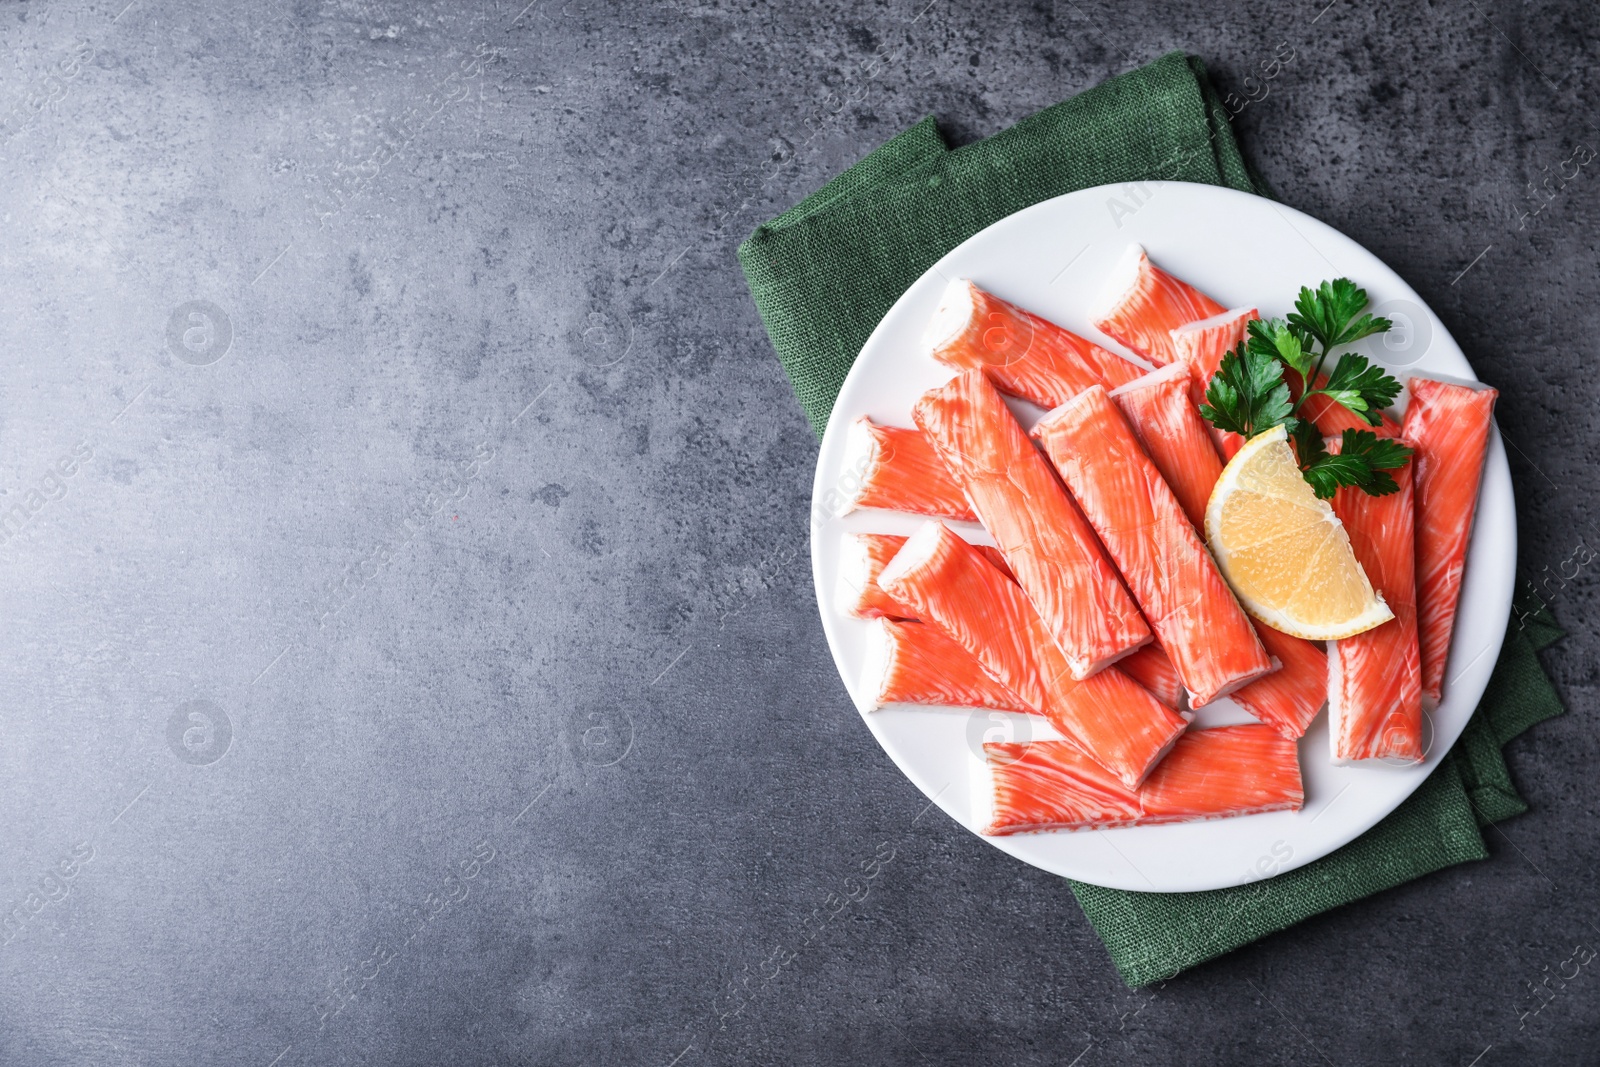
827 270
824 273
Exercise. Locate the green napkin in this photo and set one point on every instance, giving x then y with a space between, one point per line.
825 272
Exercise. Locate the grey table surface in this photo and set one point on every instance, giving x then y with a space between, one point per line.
410 654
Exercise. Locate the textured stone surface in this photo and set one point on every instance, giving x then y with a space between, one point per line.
445 501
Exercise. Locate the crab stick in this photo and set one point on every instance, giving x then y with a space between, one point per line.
1109 716
1169 426
1150 667
914 663
1144 304
1227 770
1448 425
1290 697
1048 785
898 469
1023 354
1202 344
1375 678
1163 416
863 559
1173 578
1050 548
865 556
1211 774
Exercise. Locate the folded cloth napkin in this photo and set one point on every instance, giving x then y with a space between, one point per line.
825 272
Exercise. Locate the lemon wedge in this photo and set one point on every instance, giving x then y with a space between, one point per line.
1285 552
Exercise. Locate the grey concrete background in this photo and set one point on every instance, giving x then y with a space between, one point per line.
422 666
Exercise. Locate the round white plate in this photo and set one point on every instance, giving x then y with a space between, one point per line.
1053 259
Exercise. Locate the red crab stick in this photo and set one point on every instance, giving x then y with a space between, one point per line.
1375 678
1448 425
1108 715
1145 304
1150 667
1193 612
914 663
1159 409
1049 785
1050 548
1167 423
1201 345
863 558
1024 355
1211 774
1290 697
898 469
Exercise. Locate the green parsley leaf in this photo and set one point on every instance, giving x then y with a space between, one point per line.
1365 326
1363 462
1361 387
1247 395
1326 313
1308 444
1278 339
1250 394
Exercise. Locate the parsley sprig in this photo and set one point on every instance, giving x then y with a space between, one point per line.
1250 392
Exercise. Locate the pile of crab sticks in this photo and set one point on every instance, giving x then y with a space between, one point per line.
1120 594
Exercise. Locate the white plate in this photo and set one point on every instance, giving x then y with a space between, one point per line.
1053 259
